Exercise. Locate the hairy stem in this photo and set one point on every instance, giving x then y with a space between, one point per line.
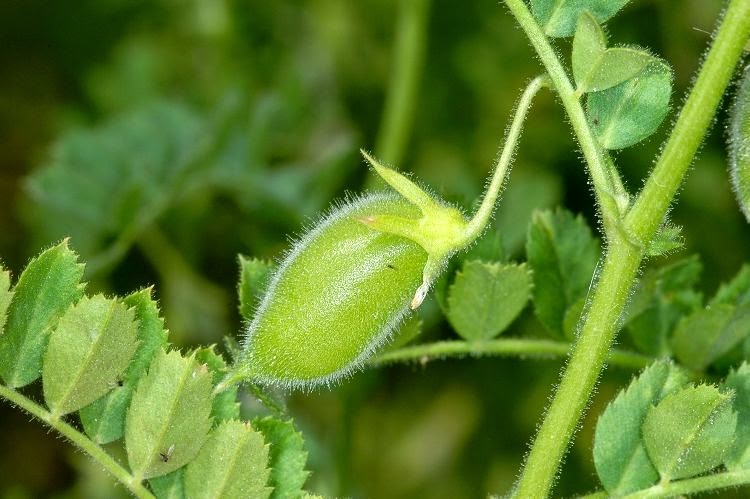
482 217
605 179
623 258
79 439
503 347
409 50
692 123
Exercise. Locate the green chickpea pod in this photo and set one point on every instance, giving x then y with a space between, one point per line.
346 285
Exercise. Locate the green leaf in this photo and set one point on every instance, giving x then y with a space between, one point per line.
738 457
46 288
254 275
589 45
5 296
104 419
169 416
734 292
225 405
231 464
88 351
597 68
708 334
486 297
558 17
169 486
615 66
287 456
562 253
668 239
620 456
689 432
663 296
627 113
407 331
74 195
739 144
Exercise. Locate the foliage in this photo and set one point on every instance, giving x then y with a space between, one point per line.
182 135
109 360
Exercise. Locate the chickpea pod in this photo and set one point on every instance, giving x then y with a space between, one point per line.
344 287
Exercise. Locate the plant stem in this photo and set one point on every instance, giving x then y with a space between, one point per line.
79 439
503 347
605 179
623 258
409 50
589 354
692 123
694 485
482 217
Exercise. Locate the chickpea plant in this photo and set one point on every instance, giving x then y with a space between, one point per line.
340 301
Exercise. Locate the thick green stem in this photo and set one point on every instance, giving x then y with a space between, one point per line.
605 179
649 209
623 258
502 347
589 354
409 50
484 213
79 439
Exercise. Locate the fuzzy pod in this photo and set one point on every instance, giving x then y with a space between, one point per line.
336 296
739 144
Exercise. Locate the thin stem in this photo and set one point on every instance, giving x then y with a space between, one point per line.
604 178
623 259
398 116
694 485
79 439
502 347
484 213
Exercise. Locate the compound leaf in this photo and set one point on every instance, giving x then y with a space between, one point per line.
73 194
88 350
739 144
46 288
627 113
287 456
562 253
558 17
486 297
169 416
738 456
254 274
689 431
232 464
104 419
620 456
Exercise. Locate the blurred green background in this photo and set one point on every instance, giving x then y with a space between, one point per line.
165 137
